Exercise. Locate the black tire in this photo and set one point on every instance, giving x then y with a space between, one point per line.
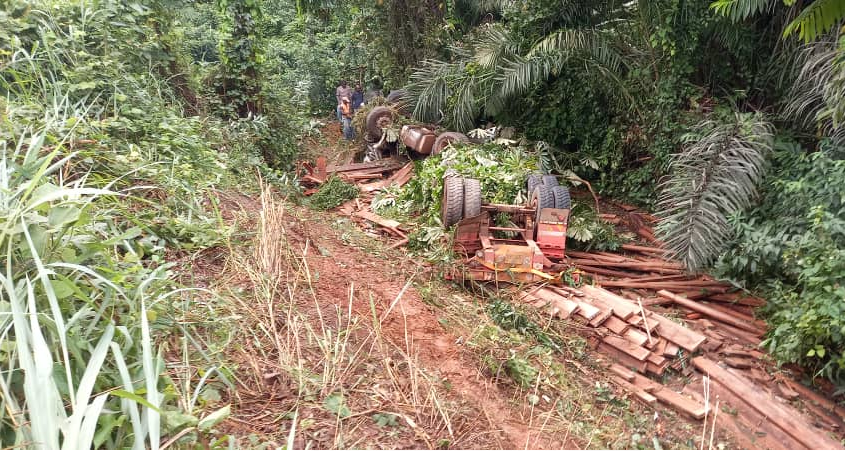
472 198
452 202
534 179
550 180
379 114
562 199
444 139
542 197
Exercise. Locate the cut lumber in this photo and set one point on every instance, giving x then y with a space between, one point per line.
622 357
670 397
599 319
653 324
645 249
657 370
565 306
671 350
587 311
738 298
737 362
605 272
615 324
386 164
623 372
687 339
632 349
811 395
759 324
637 337
622 307
713 313
639 393
785 417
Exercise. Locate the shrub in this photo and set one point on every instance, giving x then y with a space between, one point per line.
793 246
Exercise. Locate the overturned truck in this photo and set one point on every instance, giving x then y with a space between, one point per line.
382 139
529 249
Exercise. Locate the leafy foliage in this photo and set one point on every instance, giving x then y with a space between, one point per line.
715 176
793 246
332 194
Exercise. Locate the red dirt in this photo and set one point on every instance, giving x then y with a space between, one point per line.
413 325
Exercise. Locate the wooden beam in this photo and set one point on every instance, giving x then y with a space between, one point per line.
786 418
706 310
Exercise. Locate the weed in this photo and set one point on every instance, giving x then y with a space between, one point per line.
332 194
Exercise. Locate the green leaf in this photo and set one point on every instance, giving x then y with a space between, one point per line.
214 418
334 403
62 288
133 397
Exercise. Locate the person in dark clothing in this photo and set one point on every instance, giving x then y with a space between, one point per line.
357 97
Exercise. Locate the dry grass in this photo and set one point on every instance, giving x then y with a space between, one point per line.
342 373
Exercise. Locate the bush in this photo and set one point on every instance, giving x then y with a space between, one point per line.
793 247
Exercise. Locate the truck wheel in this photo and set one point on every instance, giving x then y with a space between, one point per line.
378 118
550 180
562 199
534 179
452 202
541 198
472 198
445 139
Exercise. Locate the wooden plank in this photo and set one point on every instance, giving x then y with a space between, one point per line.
713 313
390 163
738 298
566 307
671 350
623 372
678 334
640 394
622 307
622 357
615 324
785 417
563 308
637 337
638 352
670 397
599 319
645 249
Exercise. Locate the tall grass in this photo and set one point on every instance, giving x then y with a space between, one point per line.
60 314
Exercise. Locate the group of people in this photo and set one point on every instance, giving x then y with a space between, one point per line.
349 101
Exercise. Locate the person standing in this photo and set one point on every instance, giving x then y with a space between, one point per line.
342 91
357 97
346 113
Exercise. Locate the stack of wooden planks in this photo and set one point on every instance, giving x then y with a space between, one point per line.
638 339
645 343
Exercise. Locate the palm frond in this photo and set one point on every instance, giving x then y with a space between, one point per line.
714 176
816 19
549 56
494 44
429 89
816 98
738 10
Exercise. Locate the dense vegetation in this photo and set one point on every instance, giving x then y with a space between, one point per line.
121 122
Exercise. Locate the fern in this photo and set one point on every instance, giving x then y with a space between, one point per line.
715 175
